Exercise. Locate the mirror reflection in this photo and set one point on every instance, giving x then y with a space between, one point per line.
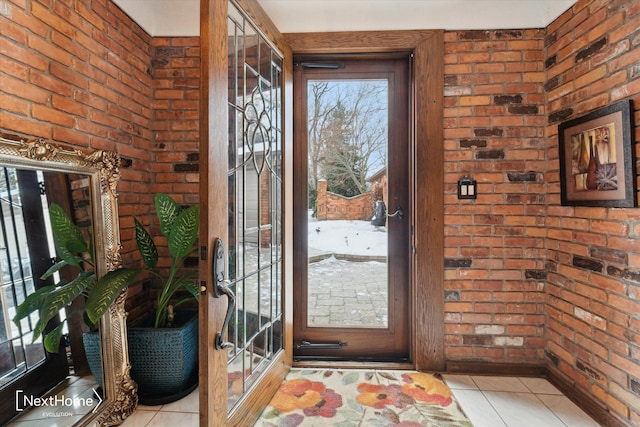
55 373
27 251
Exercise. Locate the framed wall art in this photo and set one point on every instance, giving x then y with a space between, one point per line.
596 165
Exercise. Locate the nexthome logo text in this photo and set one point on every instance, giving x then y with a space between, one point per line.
24 401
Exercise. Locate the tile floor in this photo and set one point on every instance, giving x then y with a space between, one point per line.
78 389
488 401
183 413
491 401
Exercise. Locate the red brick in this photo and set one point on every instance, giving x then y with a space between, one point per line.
51 19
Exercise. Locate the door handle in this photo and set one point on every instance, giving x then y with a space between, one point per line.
219 289
399 213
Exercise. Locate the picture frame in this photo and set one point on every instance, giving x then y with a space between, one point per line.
596 158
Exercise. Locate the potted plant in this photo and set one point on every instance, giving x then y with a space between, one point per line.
74 252
164 348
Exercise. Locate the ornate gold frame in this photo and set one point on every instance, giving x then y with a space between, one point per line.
102 168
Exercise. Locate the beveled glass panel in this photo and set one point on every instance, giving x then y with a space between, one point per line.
255 206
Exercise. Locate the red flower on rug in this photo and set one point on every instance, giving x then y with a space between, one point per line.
379 396
310 396
426 388
328 405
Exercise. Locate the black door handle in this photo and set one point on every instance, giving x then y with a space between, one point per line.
399 213
219 289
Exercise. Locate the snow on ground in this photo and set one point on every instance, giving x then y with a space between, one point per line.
347 237
341 292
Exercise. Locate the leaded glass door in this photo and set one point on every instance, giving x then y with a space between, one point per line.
242 356
255 207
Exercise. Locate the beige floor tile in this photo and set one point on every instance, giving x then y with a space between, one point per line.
495 383
540 385
567 411
140 418
522 409
174 419
488 401
459 382
478 409
190 404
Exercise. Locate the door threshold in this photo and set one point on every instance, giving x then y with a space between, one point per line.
350 364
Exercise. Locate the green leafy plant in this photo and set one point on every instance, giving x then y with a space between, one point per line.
73 252
180 227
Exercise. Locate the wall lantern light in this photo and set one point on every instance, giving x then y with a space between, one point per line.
467 188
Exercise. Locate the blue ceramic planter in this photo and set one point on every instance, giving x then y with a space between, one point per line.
164 361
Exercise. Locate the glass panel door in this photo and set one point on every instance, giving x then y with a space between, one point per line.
347 243
351 208
255 204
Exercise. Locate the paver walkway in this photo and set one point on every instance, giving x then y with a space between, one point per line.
347 293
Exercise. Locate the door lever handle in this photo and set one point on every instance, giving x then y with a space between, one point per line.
399 213
219 289
220 343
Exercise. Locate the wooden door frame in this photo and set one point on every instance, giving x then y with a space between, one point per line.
392 345
427 282
214 214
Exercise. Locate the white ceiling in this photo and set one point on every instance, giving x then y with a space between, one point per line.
170 18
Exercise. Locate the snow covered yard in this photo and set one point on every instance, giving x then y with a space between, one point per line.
342 292
347 237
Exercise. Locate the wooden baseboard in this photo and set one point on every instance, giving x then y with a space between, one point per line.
319 364
487 368
584 400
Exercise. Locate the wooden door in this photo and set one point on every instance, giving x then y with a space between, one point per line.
352 206
245 197
427 168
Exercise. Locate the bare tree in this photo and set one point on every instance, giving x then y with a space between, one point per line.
347 133
319 112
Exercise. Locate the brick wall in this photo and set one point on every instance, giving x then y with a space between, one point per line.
494 256
333 206
175 69
81 73
592 59
528 280
76 73
175 167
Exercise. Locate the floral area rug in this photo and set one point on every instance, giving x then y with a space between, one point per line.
363 398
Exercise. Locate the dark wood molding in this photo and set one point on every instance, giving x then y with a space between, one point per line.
427 283
585 401
358 41
501 369
428 215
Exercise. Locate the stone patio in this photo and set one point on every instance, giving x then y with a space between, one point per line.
347 293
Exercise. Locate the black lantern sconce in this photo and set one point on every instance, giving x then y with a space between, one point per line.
467 188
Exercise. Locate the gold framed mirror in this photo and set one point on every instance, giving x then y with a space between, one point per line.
33 174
